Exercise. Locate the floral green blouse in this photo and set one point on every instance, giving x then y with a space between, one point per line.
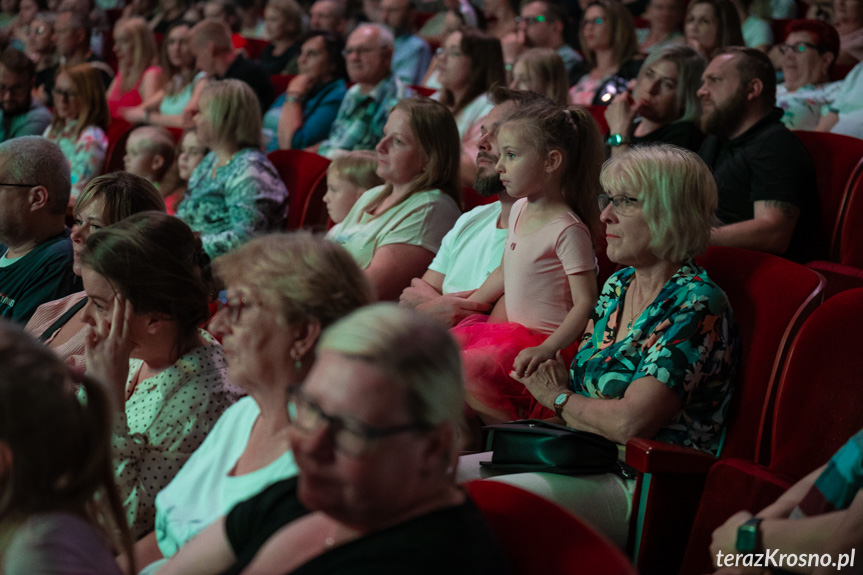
85 153
686 338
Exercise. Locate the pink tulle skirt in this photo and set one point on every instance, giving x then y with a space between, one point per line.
488 351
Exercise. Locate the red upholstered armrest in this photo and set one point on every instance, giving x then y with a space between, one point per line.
649 456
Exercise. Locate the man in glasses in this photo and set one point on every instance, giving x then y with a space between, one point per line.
541 25
764 173
20 113
35 249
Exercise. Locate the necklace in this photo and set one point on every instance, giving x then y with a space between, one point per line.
633 315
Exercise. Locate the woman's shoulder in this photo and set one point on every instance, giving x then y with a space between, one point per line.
692 281
94 132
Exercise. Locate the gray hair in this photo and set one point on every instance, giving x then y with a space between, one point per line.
385 35
35 160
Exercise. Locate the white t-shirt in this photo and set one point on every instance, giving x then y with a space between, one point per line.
471 250
203 491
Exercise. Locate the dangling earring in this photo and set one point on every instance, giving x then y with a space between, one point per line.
298 360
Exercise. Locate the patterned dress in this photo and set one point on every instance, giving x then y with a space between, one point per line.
686 338
85 152
228 204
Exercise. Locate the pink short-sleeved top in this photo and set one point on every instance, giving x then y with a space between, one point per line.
536 266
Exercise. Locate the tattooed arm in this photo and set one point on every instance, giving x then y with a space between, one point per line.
769 230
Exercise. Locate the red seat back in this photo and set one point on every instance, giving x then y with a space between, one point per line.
540 537
851 224
835 157
305 176
423 91
770 297
598 113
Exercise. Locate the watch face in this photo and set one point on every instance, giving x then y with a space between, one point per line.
561 399
747 538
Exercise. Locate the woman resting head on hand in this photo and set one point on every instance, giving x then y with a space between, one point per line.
375 429
148 286
55 461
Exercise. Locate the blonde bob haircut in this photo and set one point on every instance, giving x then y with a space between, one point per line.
145 52
90 92
305 277
624 44
234 112
434 128
678 195
124 194
545 67
416 353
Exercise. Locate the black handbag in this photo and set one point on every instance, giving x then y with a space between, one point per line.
537 445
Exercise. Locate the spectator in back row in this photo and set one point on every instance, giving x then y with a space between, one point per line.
36 260
411 55
360 121
541 25
329 16
20 113
764 174
215 56
138 76
284 25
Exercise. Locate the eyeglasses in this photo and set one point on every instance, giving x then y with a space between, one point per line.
799 47
623 205
14 90
38 30
441 53
360 50
64 94
592 22
530 20
18 185
349 436
235 307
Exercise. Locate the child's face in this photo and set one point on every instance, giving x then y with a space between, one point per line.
191 154
522 170
340 197
138 159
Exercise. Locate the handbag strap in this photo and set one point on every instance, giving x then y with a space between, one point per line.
61 321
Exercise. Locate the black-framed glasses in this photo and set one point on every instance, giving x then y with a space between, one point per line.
592 22
441 53
349 436
64 94
623 204
531 20
18 185
235 306
799 47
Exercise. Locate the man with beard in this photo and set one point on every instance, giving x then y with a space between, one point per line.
474 247
764 173
541 25
20 113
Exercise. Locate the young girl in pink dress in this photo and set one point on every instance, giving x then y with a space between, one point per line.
550 160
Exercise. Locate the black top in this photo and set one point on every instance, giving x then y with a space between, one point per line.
252 74
453 540
284 64
683 134
765 163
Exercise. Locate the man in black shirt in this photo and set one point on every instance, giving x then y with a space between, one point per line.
763 172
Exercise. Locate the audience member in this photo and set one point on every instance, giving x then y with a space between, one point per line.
663 106
328 16
608 40
348 178
80 122
251 16
283 290
168 14
764 173
8 13
712 25
470 64
235 191
650 363
36 262
366 106
808 54
149 153
223 11
473 249
20 113
72 34
138 77
666 25
541 25
304 114
167 377
284 26
189 153
105 200
145 9
411 54
42 50
395 230
166 106
499 16
437 28
550 161
845 115
215 56
810 516
20 27
756 31
848 20
392 502
541 71
56 464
